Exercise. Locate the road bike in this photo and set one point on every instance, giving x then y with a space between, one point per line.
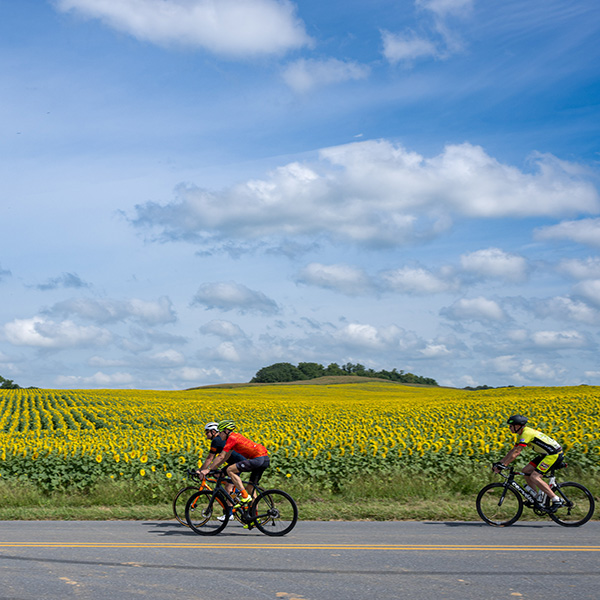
184 493
207 512
501 503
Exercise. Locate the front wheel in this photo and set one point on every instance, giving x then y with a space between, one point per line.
180 501
206 515
274 512
499 505
578 504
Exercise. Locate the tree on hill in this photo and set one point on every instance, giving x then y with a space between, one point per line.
8 384
277 373
282 372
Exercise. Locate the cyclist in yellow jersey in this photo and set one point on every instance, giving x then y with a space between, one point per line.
549 453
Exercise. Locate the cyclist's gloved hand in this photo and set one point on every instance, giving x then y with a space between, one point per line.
497 467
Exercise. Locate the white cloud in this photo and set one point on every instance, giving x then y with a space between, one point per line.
435 351
234 296
562 307
590 290
415 281
43 333
222 329
524 370
406 46
112 311
559 339
474 309
443 8
342 278
228 27
199 374
495 263
374 193
166 358
304 75
99 379
360 335
583 231
581 269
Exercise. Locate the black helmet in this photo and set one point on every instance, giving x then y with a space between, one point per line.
517 420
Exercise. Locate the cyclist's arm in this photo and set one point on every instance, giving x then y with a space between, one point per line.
206 464
512 454
216 463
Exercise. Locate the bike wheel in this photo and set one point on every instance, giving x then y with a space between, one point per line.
499 505
180 501
578 506
202 512
274 512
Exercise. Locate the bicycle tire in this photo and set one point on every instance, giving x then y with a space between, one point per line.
499 505
201 514
579 505
274 513
180 501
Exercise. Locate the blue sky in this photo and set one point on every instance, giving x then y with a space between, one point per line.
194 189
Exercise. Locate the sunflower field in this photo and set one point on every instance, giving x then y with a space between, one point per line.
76 438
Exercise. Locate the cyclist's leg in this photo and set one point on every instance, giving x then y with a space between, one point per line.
256 474
542 465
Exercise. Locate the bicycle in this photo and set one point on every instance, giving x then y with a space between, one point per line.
273 512
501 503
184 493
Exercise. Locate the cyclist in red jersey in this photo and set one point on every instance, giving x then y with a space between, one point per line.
256 461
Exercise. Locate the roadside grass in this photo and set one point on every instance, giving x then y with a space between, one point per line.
377 497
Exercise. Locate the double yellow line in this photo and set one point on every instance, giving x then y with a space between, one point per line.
277 546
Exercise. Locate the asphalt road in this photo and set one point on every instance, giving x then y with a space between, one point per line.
318 560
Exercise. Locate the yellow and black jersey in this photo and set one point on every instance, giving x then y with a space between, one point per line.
538 441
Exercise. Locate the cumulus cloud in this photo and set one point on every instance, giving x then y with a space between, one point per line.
590 290
524 370
409 280
371 193
559 339
99 379
474 309
223 329
581 269
198 374
43 333
564 307
304 75
341 278
365 336
406 46
495 263
111 311
66 280
582 231
236 28
437 41
234 296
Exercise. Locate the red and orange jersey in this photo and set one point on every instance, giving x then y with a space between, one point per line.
244 446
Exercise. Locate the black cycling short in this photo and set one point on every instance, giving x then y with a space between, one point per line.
255 466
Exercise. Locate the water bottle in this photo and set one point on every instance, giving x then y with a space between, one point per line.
531 491
541 497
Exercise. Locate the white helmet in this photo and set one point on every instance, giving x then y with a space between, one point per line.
212 425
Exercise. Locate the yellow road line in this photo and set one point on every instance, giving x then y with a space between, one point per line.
275 546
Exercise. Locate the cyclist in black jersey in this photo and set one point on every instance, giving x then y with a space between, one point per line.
549 453
216 447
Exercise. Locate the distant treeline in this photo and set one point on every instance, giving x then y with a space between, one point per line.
8 384
280 372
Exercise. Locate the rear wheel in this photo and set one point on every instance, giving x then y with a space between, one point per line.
202 513
180 501
578 505
274 513
499 505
